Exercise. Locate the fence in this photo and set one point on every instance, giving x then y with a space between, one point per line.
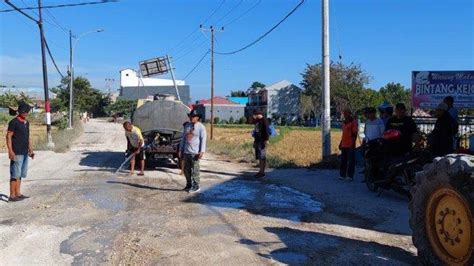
465 130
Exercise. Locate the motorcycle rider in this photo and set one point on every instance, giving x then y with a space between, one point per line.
407 128
441 139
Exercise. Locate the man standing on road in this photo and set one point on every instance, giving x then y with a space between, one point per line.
19 148
135 144
192 149
347 145
261 135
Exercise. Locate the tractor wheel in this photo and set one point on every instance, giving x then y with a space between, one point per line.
442 208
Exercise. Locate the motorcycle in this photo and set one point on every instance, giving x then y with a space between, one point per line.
385 171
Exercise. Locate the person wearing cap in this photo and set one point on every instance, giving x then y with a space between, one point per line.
192 149
407 128
261 136
441 139
135 144
19 149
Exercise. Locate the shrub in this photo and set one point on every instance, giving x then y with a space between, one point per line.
61 123
231 120
216 120
242 120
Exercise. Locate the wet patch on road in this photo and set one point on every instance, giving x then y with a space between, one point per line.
259 198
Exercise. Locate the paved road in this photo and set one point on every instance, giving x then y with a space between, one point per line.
80 213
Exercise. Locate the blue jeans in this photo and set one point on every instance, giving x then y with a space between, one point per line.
19 167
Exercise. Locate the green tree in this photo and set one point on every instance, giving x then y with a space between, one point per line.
257 84
124 107
396 93
238 93
8 99
86 98
347 86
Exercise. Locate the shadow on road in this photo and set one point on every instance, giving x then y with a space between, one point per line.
305 247
104 160
142 186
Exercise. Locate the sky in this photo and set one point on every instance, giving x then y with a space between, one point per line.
388 38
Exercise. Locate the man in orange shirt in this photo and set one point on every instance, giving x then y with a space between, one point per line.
347 146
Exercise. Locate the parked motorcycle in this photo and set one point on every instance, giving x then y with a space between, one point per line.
385 171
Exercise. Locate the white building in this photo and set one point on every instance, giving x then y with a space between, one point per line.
132 87
279 100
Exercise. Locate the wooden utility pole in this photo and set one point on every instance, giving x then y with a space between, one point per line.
47 106
212 30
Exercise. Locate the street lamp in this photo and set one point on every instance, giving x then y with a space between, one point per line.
72 46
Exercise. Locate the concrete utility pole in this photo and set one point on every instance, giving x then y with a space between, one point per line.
72 46
71 81
47 106
326 130
212 30
172 76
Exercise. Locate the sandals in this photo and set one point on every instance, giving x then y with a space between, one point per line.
14 199
23 197
140 174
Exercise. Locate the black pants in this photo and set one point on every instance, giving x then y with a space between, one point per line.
347 162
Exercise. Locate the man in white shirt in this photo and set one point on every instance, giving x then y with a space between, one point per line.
374 127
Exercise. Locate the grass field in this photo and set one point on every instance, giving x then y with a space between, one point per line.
61 138
293 147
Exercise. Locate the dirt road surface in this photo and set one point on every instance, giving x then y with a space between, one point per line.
80 213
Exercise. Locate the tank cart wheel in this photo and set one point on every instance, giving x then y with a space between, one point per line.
442 209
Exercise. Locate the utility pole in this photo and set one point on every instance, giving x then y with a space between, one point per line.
71 82
326 130
212 30
47 105
172 76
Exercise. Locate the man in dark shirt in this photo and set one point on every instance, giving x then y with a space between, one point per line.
407 128
261 135
19 148
441 139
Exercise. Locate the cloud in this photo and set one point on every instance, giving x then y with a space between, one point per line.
26 71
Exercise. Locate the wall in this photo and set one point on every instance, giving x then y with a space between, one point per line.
135 93
129 78
224 112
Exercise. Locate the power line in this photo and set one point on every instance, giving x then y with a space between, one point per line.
214 12
243 14
52 58
56 24
266 33
229 12
197 65
194 31
59 6
195 47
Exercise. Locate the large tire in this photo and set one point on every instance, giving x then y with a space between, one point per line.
442 209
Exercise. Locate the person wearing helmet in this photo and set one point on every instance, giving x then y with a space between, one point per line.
19 149
407 128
